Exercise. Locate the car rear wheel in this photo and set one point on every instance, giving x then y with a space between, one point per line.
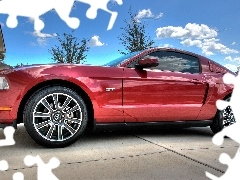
223 119
55 117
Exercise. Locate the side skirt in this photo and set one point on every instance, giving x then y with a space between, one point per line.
165 124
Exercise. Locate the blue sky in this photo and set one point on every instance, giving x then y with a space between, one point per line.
207 27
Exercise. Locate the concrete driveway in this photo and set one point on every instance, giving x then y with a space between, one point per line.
136 153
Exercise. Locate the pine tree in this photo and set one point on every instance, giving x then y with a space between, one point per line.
70 49
134 36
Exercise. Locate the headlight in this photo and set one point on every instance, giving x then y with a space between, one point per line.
3 83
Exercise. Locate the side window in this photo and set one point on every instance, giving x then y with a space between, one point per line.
175 61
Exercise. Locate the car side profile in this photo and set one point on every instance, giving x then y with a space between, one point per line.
57 102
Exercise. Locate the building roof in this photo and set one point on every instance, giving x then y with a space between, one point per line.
2 44
4 66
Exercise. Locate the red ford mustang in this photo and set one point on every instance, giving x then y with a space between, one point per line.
57 102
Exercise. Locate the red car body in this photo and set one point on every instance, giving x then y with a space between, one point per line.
123 94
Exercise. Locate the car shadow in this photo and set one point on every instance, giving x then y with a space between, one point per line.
23 140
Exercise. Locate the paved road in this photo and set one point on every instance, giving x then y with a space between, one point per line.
138 153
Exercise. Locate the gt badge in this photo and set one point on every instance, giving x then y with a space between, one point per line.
109 89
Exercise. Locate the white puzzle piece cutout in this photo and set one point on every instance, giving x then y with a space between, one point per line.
18 176
35 8
232 172
3 165
232 131
101 4
8 133
44 170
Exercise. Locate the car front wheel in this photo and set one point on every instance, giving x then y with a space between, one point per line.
55 116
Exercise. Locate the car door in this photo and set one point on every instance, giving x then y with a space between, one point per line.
174 90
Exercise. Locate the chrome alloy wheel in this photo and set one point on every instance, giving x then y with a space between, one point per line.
57 117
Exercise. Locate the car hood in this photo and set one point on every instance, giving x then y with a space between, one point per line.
48 65
33 67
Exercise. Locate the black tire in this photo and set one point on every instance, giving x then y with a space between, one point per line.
55 117
223 119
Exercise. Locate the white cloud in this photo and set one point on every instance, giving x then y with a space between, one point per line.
197 35
42 37
94 41
167 45
33 44
147 14
159 16
233 43
42 41
190 42
212 45
228 58
31 20
231 67
190 31
231 59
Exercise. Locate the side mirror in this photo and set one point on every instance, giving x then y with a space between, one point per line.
149 62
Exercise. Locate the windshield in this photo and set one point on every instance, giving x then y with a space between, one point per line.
121 59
